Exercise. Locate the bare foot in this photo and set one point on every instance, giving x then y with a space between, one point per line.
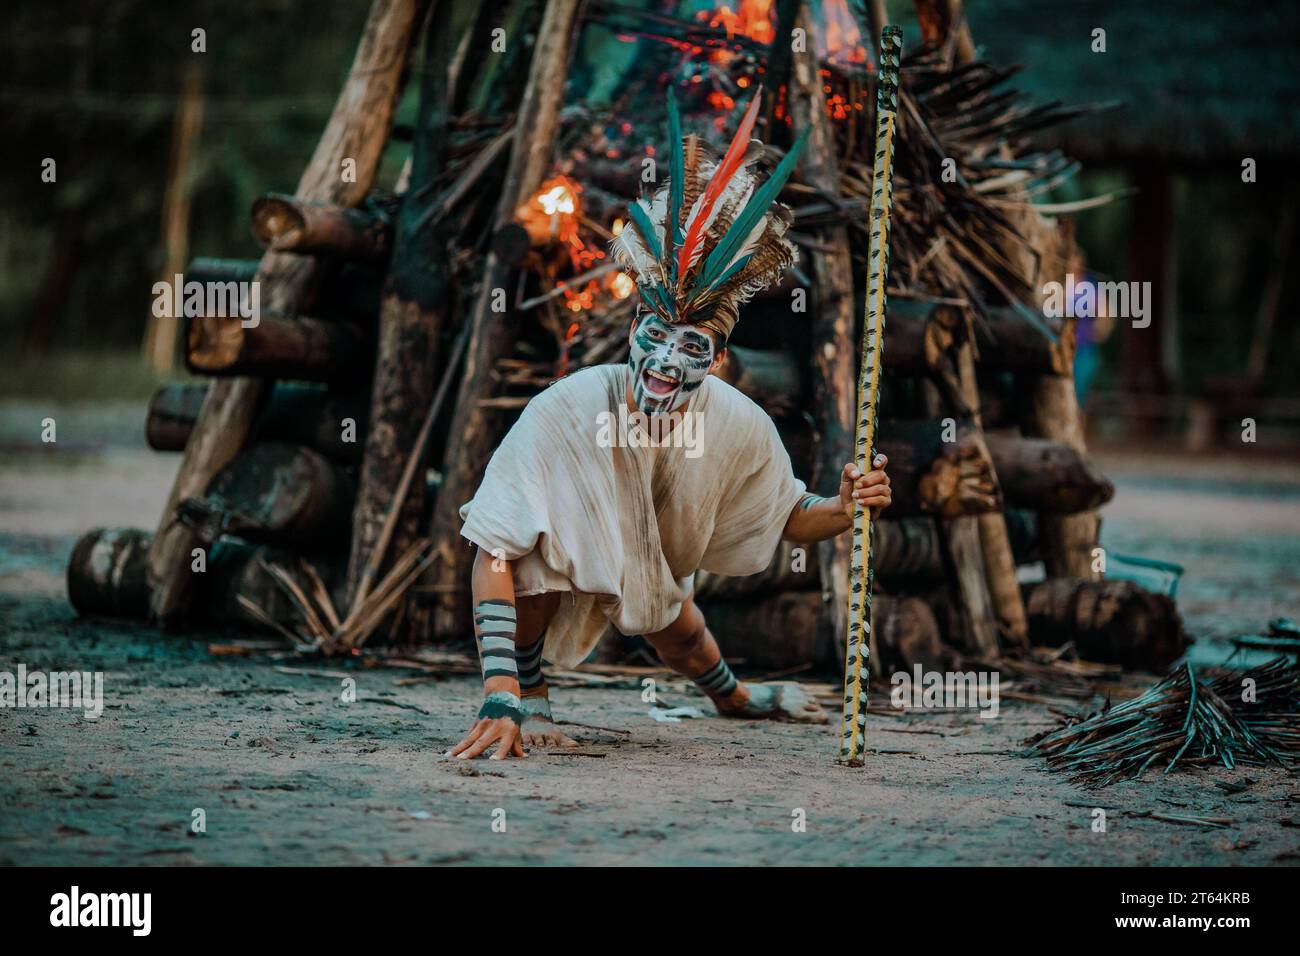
773 701
539 728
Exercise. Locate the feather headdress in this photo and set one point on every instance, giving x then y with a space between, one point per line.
712 236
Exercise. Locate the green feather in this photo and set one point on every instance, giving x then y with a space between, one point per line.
647 230
664 298
740 264
757 207
676 183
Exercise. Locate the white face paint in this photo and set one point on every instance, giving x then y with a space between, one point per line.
668 363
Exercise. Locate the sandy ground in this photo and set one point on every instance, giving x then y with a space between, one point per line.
285 772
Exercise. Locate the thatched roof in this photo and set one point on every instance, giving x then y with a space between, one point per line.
1200 81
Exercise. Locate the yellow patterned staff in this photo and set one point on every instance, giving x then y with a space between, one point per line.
853 738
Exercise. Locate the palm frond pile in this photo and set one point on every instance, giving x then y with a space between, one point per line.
1241 717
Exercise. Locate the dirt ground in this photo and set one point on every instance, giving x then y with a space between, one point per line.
287 773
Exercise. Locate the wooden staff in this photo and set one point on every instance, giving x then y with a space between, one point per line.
853 736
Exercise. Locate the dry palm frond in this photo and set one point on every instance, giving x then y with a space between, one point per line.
1185 719
318 626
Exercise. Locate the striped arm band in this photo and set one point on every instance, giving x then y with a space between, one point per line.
530 664
494 624
717 681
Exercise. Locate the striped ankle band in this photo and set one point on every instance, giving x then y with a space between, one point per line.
529 660
717 680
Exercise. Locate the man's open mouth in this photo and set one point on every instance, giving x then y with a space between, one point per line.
657 383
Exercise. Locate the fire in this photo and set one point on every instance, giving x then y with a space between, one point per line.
558 200
755 19
841 40
552 213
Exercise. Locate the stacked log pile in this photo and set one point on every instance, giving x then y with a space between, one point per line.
305 457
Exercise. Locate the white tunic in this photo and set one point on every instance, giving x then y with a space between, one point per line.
624 529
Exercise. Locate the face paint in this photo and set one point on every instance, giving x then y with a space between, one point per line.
668 363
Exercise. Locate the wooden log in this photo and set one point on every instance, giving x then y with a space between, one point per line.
1007 342
106 573
211 269
910 635
904 549
492 334
1046 475
771 377
309 350
350 292
920 337
411 319
330 422
833 346
1112 622
963 545
907 548
782 631
289 224
919 340
932 475
357 131
275 493
107 577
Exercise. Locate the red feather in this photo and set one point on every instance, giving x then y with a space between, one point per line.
721 176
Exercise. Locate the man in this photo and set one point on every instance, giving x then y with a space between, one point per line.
579 525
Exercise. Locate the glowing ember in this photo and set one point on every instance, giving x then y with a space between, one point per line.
578 300
621 285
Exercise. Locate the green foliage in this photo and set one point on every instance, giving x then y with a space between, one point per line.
95 87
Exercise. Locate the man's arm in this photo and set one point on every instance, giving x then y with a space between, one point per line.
815 518
499 720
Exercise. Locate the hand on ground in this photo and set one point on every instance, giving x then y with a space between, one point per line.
499 732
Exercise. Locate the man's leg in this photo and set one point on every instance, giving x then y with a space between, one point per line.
688 648
534 614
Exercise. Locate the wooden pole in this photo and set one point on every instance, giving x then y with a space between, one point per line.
853 732
1052 407
995 544
832 321
160 332
492 332
412 315
943 23
341 171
